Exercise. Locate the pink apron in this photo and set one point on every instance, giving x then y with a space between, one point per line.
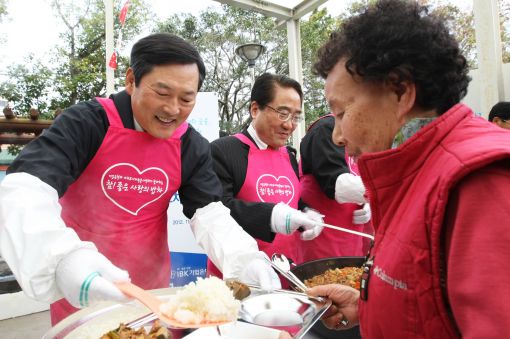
331 243
120 202
270 178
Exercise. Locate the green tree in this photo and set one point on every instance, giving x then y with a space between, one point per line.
78 66
216 34
314 32
3 9
80 74
29 85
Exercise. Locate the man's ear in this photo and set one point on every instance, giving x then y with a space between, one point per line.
498 121
254 109
130 81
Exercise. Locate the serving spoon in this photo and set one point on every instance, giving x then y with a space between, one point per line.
282 263
153 303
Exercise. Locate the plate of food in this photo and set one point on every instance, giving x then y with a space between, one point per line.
192 306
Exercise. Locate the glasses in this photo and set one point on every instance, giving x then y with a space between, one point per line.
285 115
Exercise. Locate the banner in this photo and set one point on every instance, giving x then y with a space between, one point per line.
188 259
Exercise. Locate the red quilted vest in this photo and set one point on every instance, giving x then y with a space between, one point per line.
408 189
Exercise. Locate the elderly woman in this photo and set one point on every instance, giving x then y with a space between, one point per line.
437 177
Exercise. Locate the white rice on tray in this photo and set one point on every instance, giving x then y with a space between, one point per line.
206 301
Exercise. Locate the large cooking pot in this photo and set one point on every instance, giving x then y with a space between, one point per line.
310 269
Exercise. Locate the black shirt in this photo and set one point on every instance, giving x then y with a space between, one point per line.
63 151
321 157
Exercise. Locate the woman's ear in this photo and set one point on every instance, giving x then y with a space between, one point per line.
405 91
406 94
130 81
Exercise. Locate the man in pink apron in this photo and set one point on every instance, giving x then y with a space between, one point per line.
85 204
260 175
328 174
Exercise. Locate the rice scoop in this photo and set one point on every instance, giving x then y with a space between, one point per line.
206 301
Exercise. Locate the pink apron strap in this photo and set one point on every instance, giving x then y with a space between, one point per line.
245 140
111 112
180 130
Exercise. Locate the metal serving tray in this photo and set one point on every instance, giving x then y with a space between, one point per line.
281 310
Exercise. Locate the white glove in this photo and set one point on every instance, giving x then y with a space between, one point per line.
314 232
349 188
285 220
86 276
363 215
259 272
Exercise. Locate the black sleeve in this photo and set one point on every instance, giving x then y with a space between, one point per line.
230 157
295 166
199 184
62 152
321 157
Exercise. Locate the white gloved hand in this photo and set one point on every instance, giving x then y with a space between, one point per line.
259 272
362 215
285 220
349 188
313 232
86 276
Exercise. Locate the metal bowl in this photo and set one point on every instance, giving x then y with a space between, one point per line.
310 269
293 312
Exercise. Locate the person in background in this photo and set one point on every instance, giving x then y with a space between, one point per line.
437 177
500 114
85 205
259 174
330 184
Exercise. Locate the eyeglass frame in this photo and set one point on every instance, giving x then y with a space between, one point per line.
295 118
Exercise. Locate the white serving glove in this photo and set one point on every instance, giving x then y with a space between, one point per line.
230 248
86 276
349 188
362 215
259 272
315 231
286 220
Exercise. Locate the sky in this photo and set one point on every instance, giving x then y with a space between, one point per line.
32 27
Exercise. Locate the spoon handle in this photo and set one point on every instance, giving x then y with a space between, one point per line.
287 276
338 228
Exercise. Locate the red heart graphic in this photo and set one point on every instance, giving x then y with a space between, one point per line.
131 189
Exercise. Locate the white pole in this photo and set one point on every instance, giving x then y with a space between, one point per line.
110 75
295 71
490 63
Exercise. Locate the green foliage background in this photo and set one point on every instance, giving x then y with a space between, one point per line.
76 70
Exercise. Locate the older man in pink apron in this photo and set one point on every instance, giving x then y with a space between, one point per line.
85 205
260 174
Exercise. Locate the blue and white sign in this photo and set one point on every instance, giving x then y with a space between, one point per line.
188 259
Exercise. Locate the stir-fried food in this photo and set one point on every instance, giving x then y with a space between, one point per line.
239 289
349 276
124 332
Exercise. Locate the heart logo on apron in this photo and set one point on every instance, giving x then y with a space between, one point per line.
131 189
275 190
